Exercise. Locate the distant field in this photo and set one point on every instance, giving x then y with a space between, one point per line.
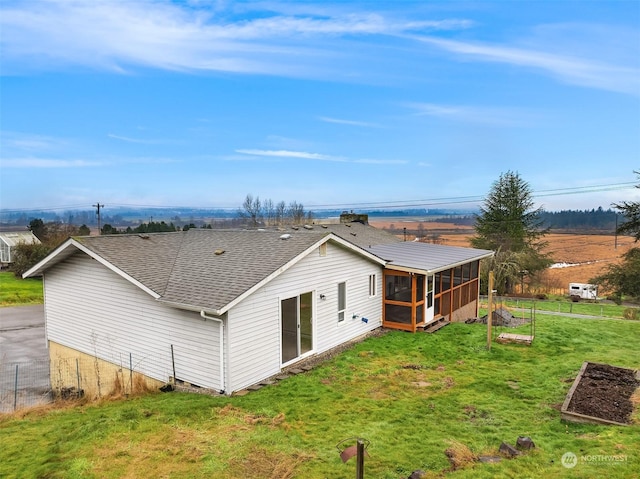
589 254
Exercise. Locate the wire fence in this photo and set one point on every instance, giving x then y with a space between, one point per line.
38 382
24 384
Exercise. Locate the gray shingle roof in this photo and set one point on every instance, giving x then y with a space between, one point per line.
183 268
146 258
200 277
425 257
360 235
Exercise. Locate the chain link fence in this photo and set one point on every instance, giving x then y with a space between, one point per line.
24 384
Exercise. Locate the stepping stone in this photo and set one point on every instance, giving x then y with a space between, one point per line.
242 392
295 371
266 382
525 442
281 377
508 450
306 368
254 387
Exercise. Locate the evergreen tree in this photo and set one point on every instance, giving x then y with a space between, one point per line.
622 279
509 225
631 212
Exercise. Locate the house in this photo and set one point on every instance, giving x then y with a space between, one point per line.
226 309
9 239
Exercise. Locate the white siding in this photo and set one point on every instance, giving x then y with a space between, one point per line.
93 310
254 324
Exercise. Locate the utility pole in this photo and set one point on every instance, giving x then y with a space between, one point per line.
615 244
98 206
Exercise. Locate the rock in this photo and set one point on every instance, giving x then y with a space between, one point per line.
417 474
508 450
525 442
489 459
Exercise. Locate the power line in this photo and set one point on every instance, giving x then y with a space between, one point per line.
392 204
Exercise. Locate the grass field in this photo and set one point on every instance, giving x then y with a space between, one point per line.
19 291
414 396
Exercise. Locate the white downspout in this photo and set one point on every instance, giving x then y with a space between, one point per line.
221 323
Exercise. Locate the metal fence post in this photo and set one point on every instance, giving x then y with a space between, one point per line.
78 375
15 390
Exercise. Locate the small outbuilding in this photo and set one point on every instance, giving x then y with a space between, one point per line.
10 239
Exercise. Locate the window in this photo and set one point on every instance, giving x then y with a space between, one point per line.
342 300
372 285
429 291
457 276
398 287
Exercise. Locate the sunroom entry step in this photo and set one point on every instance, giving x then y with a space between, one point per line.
433 327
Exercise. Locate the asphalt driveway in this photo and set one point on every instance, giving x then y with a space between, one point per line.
24 359
22 337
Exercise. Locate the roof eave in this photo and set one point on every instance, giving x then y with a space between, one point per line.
411 269
52 259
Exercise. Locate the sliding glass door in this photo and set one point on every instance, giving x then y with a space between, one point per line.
297 326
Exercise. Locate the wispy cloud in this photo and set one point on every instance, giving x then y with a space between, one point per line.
133 140
569 68
317 156
291 154
47 163
471 114
369 161
115 36
29 142
348 122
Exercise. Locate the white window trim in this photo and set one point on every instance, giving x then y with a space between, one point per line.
373 285
342 312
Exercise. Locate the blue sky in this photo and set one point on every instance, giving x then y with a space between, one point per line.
345 104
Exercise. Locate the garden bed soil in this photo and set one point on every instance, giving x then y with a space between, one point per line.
601 394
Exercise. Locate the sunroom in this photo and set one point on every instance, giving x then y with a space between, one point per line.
425 283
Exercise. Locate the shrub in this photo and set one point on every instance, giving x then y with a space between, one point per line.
631 313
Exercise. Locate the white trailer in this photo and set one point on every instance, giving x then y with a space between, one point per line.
583 291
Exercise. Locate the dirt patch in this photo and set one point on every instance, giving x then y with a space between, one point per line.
605 392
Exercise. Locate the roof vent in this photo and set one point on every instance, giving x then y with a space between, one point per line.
308 227
218 252
353 234
347 225
285 236
143 236
324 226
295 228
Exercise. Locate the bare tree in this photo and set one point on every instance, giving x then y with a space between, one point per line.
296 212
251 210
281 209
269 212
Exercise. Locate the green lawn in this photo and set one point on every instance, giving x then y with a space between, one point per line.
15 291
412 395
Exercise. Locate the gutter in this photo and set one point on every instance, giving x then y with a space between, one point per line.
221 323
